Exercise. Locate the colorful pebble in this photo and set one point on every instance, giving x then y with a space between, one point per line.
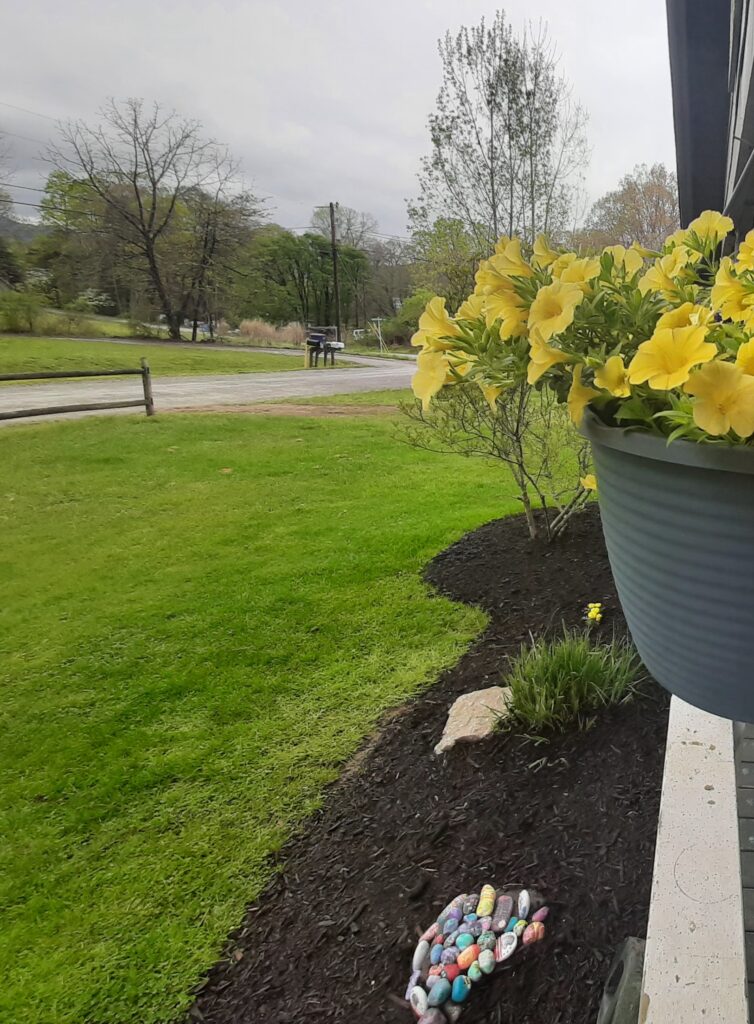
487 940
451 972
505 947
460 989
541 914
432 981
463 941
520 928
413 981
435 953
467 956
436 971
449 956
524 903
450 926
469 918
511 924
534 933
421 956
502 912
440 992
470 903
450 940
476 928
418 1000
486 923
487 961
486 901
474 972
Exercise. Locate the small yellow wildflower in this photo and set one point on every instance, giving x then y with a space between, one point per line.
589 482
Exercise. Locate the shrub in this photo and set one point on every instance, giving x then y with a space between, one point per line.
259 331
557 681
293 334
19 311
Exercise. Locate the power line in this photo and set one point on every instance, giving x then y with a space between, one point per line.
26 138
26 110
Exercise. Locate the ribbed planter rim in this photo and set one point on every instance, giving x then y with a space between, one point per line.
680 453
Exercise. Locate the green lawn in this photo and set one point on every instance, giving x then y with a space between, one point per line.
201 618
28 355
387 397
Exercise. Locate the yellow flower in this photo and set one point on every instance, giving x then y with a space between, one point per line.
543 254
436 327
491 277
508 259
564 260
553 308
683 315
541 357
677 238
660 276
612 377
627 259
471 308
724 399
745 256
491 393
667 358
730 296
579 396
745 357
711 226
431 374
509 308
579 272
589 483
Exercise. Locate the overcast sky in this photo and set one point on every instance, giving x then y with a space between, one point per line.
321 99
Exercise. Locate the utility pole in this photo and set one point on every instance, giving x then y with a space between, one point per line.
333 207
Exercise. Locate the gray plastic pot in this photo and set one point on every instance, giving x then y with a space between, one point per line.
678 521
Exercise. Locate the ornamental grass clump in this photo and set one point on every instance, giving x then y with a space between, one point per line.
661 341
565 680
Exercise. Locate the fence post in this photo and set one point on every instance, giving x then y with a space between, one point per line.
146 379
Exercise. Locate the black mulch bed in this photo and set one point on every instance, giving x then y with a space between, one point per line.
331 938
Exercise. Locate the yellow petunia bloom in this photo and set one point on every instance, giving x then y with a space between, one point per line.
471 308
510 309
492 277
730 296
553 308
589 483
685 314
677 238
564 260
745 357
491 393
711 226
431 374
435 327
613 378
541 357
628 260
508 259
745 255
666 360
660 277
580 272
543 254
724 399
579 396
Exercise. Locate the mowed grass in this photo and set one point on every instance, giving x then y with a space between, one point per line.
383 398
202 616
31 355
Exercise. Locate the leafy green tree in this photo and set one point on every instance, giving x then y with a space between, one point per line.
11 273
446 256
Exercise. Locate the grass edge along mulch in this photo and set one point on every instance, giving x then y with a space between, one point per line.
330 939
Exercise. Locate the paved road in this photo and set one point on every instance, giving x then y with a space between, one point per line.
222 389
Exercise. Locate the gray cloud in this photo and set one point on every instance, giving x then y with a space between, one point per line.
325 101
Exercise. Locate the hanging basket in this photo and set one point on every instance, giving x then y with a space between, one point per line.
678 521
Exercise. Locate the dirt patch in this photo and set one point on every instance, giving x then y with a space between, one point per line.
330 940
313 411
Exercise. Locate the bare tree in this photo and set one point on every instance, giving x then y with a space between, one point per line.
163 188
643 208
508 144
352 227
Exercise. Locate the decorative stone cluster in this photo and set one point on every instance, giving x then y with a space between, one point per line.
473 934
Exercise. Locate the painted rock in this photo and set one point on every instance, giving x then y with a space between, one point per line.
431 933
467 956
487 961
520 928
464 941
451 972
432 981
487 940
435 971
418 1001
440 992
475 928
456 902
450 940
505 947
420 961
469 918
486 901
449 956
470 903
524 903
432 1016
452 1012
541 914
450 926
511 924
534 933
455 913
474 972
435 953
486 923
461 988
464 928
502 912
413 981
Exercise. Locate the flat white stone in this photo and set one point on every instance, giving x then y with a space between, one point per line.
694 961
474 716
